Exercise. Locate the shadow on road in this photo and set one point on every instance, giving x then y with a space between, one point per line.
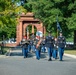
18 52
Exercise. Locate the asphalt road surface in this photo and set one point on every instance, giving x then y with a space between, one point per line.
17 65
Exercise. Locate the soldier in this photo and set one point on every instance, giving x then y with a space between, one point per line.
49 44
38 48
55 51
61 45
29 46
24 45
43 45
32 42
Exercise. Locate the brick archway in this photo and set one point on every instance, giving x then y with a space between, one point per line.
26 20
28 30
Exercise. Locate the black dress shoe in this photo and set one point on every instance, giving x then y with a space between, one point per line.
24 57
60 60
55 58
49 59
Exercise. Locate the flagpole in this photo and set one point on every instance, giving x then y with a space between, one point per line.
57 33
57 21
58 26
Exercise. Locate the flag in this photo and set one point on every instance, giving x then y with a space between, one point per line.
58 25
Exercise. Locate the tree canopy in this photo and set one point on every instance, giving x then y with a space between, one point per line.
47 11
9 12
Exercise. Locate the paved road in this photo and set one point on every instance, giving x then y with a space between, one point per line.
17 65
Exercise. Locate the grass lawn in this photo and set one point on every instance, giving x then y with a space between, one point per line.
73 52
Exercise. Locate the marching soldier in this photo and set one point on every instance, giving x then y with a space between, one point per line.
24 45
32 42
55 51
38 48
43 45
29 46
61 45
49 44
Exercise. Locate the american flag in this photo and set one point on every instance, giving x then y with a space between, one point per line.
58 25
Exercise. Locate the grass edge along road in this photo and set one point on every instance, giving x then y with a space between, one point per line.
72 52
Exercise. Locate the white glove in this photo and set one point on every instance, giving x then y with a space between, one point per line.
57 46
65 46
54 45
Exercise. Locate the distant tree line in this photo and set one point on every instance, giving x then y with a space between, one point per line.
45 10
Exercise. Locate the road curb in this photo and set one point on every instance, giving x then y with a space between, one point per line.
69 55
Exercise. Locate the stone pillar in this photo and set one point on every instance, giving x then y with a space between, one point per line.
32 28
24 36
44 31
19 32
23 30
27 33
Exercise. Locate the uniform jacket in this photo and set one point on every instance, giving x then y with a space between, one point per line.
39 47
24 44
43 43
61 41
49 41
55 45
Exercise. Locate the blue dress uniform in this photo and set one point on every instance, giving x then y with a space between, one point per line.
49 44
32 45
29 45
25 49
61 46
32 42
43 46
38 50
55 51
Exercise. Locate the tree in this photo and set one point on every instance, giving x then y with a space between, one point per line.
47 10
9 12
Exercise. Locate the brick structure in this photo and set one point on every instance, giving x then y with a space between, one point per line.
24 21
